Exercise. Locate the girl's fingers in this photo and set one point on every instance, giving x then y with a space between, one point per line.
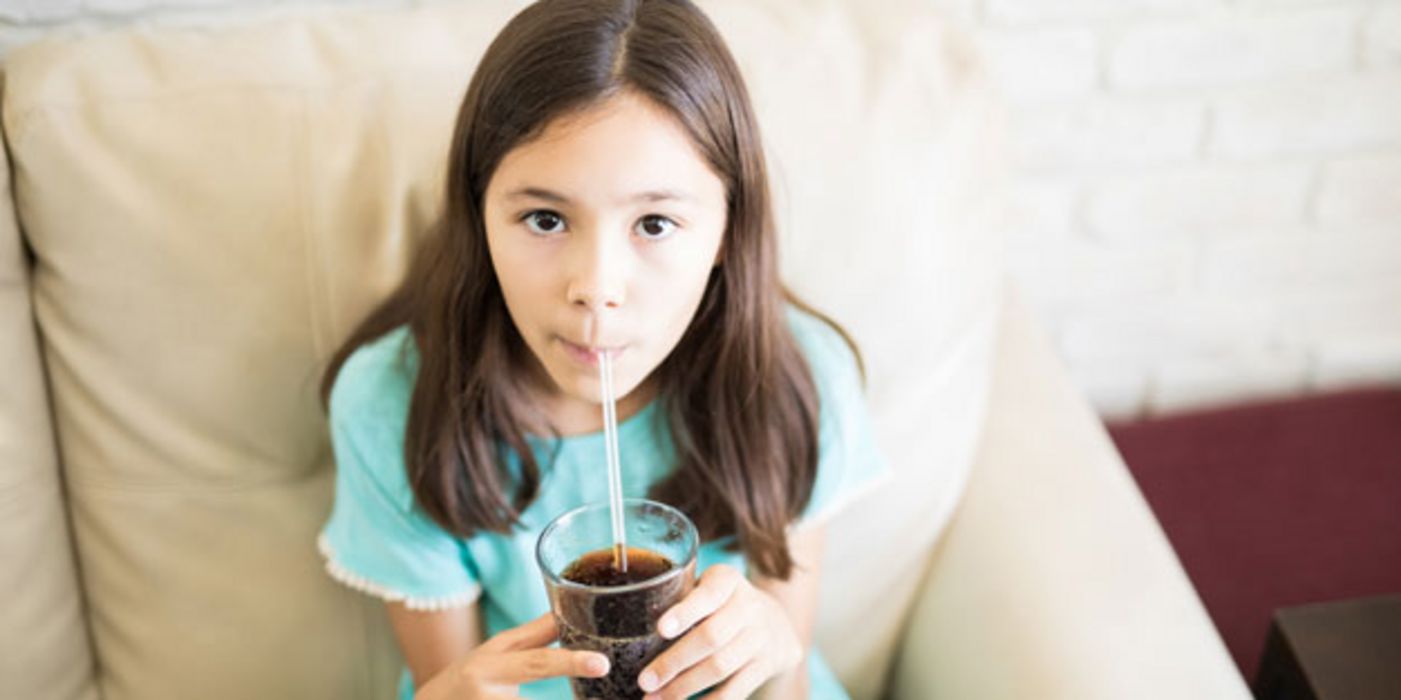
711 636
536 633
742 684
740 653
517 667
712 591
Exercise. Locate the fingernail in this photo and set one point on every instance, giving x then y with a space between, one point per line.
597 665
647 681
667 627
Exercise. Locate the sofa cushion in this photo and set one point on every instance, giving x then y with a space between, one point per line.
42 628
212 210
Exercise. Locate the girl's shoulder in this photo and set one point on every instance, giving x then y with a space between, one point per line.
829 357
850 464
376 380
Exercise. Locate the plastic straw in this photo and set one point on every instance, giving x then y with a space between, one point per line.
615 471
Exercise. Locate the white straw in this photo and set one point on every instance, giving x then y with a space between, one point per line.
610 446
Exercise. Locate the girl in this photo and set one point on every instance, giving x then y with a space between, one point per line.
606 192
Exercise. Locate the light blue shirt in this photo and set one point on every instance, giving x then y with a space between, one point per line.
379 541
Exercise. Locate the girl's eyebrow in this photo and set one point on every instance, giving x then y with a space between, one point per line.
550 196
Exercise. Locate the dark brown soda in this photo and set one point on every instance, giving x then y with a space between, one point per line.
600 567
623 622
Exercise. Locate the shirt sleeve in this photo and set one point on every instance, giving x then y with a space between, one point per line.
377 540
849 463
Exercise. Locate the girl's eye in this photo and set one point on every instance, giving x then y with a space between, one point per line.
543 222
655 227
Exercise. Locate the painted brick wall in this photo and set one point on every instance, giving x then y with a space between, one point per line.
1209 206
1209 198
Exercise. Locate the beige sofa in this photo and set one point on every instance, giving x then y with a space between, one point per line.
192 218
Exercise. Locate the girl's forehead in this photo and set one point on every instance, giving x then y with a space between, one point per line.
619 148
626 106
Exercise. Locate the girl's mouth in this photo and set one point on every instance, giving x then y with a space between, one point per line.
589 355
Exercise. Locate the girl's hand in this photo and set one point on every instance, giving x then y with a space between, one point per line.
744 638
497 667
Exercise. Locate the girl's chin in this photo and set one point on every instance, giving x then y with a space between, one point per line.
590 389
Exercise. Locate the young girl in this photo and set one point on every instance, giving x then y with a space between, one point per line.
606 192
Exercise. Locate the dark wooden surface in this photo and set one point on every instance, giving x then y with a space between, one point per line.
1345 650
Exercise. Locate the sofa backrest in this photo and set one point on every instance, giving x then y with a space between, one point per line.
211 211
42 628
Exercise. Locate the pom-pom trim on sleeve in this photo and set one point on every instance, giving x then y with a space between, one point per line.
359 583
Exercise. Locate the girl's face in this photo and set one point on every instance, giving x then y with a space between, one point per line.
603 232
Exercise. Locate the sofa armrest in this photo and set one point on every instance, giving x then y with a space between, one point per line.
1054 580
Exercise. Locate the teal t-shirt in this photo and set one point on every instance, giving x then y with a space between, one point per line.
378 541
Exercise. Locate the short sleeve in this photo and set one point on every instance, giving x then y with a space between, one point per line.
377 540
849 463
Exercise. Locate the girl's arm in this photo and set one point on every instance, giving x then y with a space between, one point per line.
431 641
798 597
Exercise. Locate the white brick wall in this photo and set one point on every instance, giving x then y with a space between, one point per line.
1355 112
1096 133
1209 206
1382 40
1038 11
1044 63
1197 202
1217 217
1357 361
1244 376
1361 191
1233 48
1265 264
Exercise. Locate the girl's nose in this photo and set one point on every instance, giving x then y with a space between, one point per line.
595 298
598 280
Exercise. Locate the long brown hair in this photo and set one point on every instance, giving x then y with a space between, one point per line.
737 395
